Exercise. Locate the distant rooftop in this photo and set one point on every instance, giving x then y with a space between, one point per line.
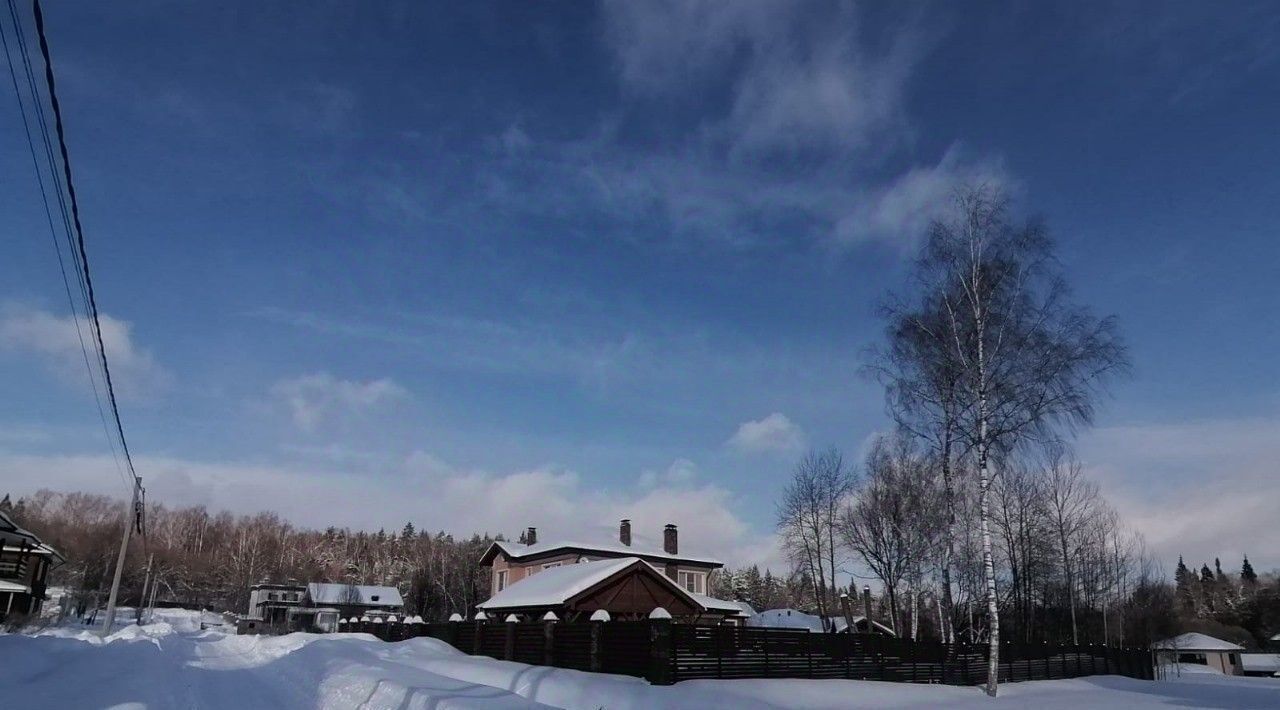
358 594
517 551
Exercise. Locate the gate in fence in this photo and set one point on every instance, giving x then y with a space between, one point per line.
664 652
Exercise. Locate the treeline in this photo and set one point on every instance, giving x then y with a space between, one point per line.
209 560
1240 607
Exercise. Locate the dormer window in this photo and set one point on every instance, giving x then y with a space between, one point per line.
374 597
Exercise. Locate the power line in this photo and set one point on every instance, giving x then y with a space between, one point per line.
79 231
44 197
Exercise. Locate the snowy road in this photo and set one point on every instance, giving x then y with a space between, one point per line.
177 666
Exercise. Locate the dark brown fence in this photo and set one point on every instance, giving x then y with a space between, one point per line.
664 653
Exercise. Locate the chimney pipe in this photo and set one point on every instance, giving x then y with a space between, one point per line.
531 536
624 532
866 605
670 541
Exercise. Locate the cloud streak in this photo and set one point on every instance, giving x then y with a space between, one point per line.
54 341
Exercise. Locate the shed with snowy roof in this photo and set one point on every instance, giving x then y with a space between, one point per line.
354 599
1200 649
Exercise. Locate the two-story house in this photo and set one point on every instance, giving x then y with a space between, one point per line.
571 578
25 562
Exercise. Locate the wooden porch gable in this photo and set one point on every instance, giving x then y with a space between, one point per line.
636 590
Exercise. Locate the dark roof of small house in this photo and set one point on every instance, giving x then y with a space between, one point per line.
518 552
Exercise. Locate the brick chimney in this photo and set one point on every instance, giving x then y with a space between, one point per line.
670 541
624 532
531 536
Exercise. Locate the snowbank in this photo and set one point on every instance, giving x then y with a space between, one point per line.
164 666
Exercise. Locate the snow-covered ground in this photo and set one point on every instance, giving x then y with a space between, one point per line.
173 664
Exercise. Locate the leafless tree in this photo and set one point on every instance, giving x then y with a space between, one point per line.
922 391
807 519
1029 362
1071 502
894 518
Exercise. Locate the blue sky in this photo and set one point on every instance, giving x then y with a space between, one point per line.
485 266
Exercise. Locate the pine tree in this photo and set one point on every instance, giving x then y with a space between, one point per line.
1247 575
407 532
1206 575
1217 565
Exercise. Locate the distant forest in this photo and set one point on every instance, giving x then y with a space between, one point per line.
210 559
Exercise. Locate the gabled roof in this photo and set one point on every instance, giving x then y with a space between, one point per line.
1260 662
740 609
14 536
356 594
1194 641
560 585
796 619
518 552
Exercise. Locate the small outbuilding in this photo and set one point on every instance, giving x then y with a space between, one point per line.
796 619
1265 665
352 600
1200 649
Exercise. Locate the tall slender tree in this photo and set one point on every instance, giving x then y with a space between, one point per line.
1029 362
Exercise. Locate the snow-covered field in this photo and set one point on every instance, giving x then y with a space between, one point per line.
173 664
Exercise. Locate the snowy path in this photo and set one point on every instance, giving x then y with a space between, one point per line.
160 666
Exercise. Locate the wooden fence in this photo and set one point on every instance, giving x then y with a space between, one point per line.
664 652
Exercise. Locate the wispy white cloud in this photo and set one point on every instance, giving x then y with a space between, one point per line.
772 434
315 399
54 341
901 211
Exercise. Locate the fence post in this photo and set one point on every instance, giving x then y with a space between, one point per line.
509 642
549 639
808 650
764 639
660 648
1079 671
717 634
597 630
965 666
477 635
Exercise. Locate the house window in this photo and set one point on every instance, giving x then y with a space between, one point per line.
549 565
502 580
693 582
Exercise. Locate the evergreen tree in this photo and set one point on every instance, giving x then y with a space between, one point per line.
407 532
1247 575
1217 566
1206 575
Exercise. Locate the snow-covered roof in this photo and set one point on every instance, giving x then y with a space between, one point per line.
13 536
516 551
358 594
739 608
7 586
795 619
1195 641
1260 662
555 586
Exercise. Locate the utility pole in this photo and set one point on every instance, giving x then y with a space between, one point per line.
130 519
151 606
142 598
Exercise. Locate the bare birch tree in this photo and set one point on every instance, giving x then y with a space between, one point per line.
1029 362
